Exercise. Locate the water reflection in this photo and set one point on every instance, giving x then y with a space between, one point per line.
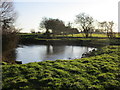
36 53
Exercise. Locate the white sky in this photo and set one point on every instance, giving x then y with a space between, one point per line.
30 12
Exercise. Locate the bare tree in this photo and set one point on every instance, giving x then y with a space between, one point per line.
43 24
86 23
108 28
110 32
7 15
9 32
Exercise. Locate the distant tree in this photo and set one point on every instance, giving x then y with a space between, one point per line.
86 23
103 26
68 29
38 32
32 31
99 27
57 26
43 24
69 25
110 32
108 28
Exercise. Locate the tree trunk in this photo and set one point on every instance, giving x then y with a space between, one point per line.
86 35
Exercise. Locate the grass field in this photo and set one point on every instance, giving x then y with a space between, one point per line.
70 35
93 35
100 71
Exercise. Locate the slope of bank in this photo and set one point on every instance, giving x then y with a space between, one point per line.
99 71
91 41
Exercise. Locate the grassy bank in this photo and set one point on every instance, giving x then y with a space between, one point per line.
100 71
91 42
69 35
96 40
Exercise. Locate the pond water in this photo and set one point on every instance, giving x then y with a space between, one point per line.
37 53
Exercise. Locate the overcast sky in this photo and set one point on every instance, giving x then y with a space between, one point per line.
30 12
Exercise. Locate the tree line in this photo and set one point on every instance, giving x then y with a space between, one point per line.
85 23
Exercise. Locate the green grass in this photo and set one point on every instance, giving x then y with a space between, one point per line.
70 35
82 35
93 35
100 40
100 71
